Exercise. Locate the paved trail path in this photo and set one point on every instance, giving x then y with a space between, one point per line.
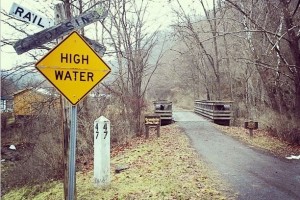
252 173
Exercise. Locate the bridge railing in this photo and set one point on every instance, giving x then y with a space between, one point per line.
164 109
219 112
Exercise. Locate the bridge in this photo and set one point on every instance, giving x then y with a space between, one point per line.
219 112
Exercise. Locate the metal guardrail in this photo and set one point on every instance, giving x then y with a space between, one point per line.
217 111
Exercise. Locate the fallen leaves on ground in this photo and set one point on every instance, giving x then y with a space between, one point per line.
159 168
261 139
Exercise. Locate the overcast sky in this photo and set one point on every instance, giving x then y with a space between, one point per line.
159 14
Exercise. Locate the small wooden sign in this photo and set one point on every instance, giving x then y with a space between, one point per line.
251 125
152 121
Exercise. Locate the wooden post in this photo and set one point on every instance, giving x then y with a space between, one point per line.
60 15
65 134
147 132
101 152
251 132
158 130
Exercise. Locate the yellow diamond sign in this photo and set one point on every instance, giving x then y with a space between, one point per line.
73 67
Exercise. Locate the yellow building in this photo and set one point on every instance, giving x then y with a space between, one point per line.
32 101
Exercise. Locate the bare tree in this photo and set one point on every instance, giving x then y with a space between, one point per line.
272 32
133 47
200 34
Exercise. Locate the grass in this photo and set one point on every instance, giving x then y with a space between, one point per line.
262 139
161 168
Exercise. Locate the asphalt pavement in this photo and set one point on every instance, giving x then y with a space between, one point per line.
252 173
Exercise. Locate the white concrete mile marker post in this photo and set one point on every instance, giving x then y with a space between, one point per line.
102 152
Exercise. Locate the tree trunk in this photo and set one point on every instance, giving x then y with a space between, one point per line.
295 50
297 99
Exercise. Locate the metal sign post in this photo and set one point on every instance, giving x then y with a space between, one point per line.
72 154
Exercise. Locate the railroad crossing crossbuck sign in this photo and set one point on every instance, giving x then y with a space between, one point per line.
73 67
